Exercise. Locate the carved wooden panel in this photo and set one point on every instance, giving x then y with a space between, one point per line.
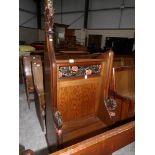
78 71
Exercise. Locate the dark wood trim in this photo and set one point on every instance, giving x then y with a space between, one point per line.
118 96
79 62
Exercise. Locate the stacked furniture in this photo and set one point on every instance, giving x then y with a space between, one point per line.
34 84
37 72
28 77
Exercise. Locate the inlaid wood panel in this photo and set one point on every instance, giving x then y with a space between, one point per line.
77 98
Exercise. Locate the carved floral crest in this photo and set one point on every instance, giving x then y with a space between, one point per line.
79 71
49 16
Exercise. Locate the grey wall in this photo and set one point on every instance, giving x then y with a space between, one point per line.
105 21
69 18
29 5
102 13
28 34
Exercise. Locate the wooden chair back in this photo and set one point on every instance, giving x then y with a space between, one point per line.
29 87
123 61
27 71
123 90
27 68
37 71
124 80
76 90
81 86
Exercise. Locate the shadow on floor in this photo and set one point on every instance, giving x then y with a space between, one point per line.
43 151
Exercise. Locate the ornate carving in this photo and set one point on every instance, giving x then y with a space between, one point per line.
111 104
58 126
58 119
49 17
77 71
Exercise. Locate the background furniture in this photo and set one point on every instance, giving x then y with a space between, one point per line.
28 77
27 60
120 46
37 72
123 91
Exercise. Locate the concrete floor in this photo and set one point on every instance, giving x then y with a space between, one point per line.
31 135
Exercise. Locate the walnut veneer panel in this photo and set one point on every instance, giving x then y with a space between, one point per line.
77 98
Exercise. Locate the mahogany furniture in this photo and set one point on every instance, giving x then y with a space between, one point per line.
81 92
77 94
103 144
37 71
65 39
120 60
123 91
28 76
